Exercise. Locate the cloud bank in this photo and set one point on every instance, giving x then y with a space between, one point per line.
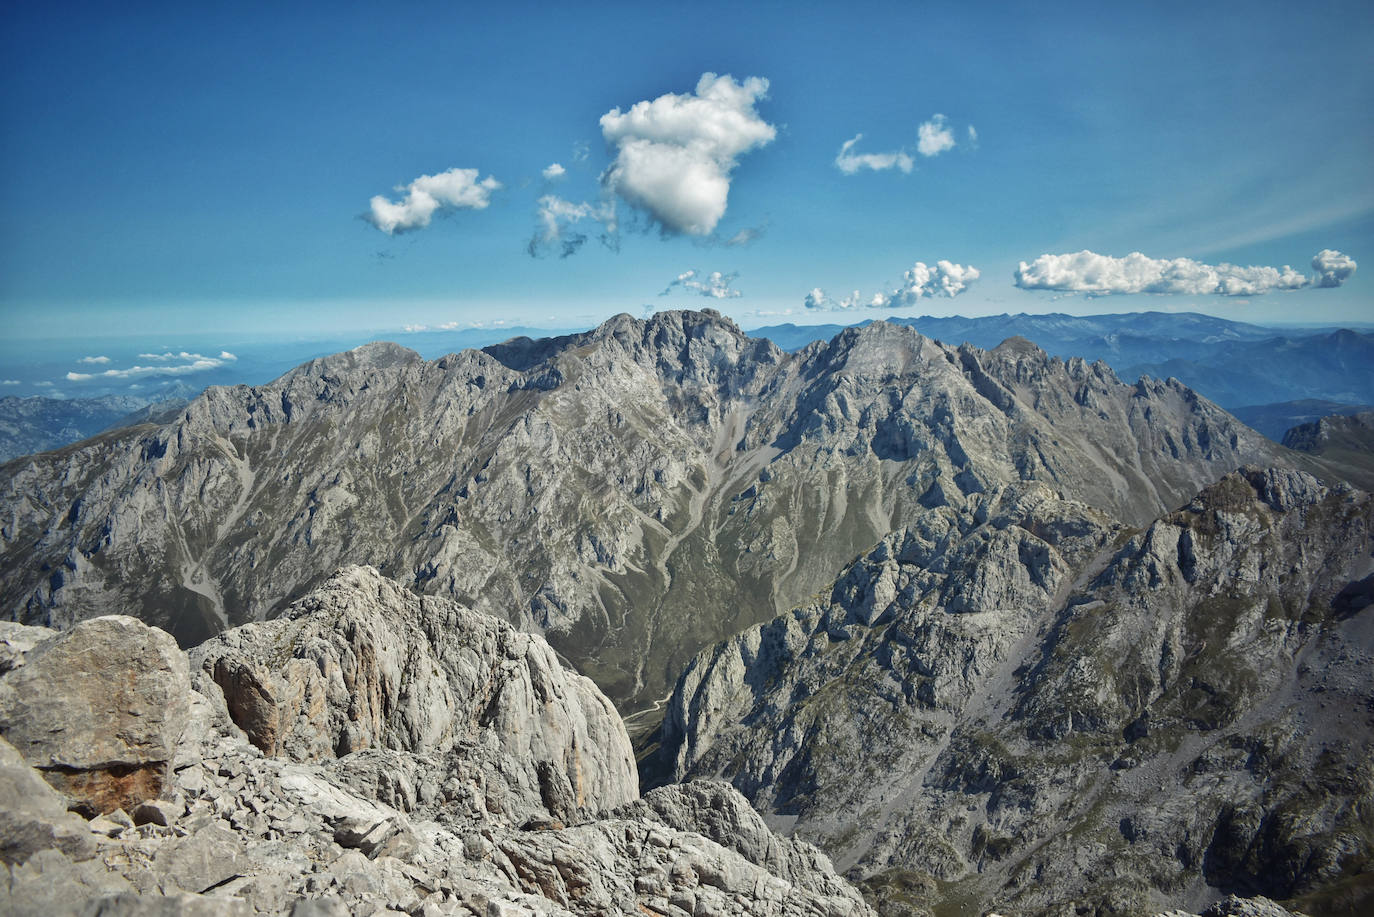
714 285
675 155
1089 272
943 279
196 363
456 189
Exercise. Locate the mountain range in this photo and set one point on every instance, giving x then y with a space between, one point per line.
1243 367
990 627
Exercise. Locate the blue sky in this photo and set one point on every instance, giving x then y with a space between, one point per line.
204 168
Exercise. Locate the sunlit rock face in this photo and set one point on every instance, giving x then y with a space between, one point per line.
635 493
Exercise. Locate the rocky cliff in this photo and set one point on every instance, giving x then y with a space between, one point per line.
635 493
371 752
1023 704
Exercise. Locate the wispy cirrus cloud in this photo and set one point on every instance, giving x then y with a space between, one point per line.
933 137
455 189
559 223
923 281
849 162
675 154
714 285
1104 275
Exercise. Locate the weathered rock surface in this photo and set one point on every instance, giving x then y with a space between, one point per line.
99 709
1036 708
444 764
636 493
361 663
33 816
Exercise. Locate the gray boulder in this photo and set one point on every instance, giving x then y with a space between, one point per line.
33 816
99 710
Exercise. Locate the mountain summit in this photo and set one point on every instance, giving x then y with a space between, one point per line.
636 492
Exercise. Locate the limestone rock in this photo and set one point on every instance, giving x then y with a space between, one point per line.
362 664
33 816
635 493
99 710
1026 704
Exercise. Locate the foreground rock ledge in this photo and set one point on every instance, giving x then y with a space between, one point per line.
376 753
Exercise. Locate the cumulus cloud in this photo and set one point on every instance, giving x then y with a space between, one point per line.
456 189
558 225
675 155
9 382
922 281
849 162
1089 272
715 284
196 363
1333 268
94 360
554 171
933 137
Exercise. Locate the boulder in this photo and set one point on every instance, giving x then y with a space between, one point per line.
99 710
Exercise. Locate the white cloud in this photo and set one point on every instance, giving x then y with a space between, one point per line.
849 162
557 219
9 382
458 189
449 326
715 285
554 171
1089 272
1333 268
94 360
196 364
923 281
581 150
972 137
674 155
933 137
168 356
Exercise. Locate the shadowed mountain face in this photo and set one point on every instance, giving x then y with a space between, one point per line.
1030 705
636 492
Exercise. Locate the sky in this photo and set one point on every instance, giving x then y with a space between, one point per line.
179 169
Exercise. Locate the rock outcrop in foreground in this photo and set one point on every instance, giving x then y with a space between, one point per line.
372 752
